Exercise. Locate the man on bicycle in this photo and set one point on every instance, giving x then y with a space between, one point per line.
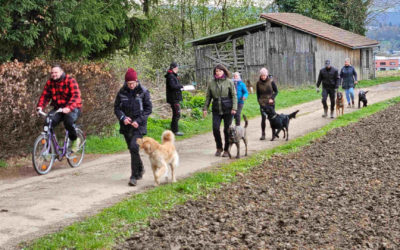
63 92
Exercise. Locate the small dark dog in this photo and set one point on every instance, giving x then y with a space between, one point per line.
237 133
339 104
362 97
278 122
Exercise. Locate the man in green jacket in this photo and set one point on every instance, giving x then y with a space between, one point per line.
222 92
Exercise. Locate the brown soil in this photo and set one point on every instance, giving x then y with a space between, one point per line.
343 191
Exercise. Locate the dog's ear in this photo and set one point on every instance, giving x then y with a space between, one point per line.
147 147
366 92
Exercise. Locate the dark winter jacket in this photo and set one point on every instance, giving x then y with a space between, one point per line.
329 78
266 89
223 94
174 88
348 76
135 104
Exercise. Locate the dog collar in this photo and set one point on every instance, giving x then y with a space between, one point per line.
274 116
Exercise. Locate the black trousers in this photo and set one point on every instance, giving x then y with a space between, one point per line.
331 93
263 119
217 119
69 121
238 114
176 114
136 161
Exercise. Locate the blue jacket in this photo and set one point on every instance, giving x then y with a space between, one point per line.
241 91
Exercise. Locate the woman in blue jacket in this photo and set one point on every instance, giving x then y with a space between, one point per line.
242 95
348 79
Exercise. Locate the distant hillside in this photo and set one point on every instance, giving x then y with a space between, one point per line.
387 18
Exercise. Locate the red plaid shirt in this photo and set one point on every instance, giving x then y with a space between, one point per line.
63 94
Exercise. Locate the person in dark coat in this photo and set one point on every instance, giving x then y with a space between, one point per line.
348 79
174 96
132 107
266 91
329 77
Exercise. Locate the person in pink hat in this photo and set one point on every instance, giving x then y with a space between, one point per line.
132 107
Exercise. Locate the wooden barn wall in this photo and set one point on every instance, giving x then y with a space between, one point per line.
337 54
204 66
287 53
367 64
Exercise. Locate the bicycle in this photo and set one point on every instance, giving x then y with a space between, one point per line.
46 148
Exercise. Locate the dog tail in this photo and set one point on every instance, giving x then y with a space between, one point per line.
246 122
293 115
167 136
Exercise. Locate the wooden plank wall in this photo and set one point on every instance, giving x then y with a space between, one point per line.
287 53
367 64
337 54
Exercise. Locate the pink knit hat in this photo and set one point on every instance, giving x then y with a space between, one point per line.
264 72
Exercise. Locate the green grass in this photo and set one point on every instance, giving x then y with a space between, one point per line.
286 98
3 164
118 222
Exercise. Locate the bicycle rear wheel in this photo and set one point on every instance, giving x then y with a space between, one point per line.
75 158
43 154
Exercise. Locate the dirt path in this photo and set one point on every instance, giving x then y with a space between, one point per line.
37 205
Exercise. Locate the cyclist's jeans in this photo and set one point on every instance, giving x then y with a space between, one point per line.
136 161
69 121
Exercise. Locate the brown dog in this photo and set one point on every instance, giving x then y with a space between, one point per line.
161 155
339 104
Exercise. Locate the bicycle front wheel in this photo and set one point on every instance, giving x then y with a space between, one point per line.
75 158
43 154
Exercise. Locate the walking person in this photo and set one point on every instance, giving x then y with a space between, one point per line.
222 92
132 107
266 91
329 77
174 96
242 94
348 80
63 92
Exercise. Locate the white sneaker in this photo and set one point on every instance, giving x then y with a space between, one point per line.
76 145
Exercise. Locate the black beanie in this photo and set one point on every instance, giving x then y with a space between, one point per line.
173 65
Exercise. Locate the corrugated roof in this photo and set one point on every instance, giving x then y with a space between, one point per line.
320 29
220 37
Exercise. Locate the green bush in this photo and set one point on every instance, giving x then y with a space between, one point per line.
196 113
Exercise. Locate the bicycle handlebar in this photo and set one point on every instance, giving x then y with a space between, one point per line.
45 114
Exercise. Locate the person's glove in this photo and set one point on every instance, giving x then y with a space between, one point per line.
317 89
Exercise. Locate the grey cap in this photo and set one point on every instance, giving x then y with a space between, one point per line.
327 62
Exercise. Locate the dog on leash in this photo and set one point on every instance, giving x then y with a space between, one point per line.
362 97
237 133
161 155
278 121
339 104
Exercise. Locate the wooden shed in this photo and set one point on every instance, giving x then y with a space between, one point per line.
291 46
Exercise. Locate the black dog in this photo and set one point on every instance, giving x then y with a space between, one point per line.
362 97
278 122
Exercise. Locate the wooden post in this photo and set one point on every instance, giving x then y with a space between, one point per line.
234 54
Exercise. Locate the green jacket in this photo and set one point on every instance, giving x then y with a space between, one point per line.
223 94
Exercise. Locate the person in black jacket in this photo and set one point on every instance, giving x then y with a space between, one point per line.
329 77
174 96
132 107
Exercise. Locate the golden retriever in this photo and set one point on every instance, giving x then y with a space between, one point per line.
161 155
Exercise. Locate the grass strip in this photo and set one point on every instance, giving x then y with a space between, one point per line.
286 98
121 220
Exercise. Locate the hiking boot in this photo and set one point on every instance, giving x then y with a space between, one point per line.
225 154
332 114
349 105
140 175
179 133
352 104
262 137
73 146
132 182
325 113
218 153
